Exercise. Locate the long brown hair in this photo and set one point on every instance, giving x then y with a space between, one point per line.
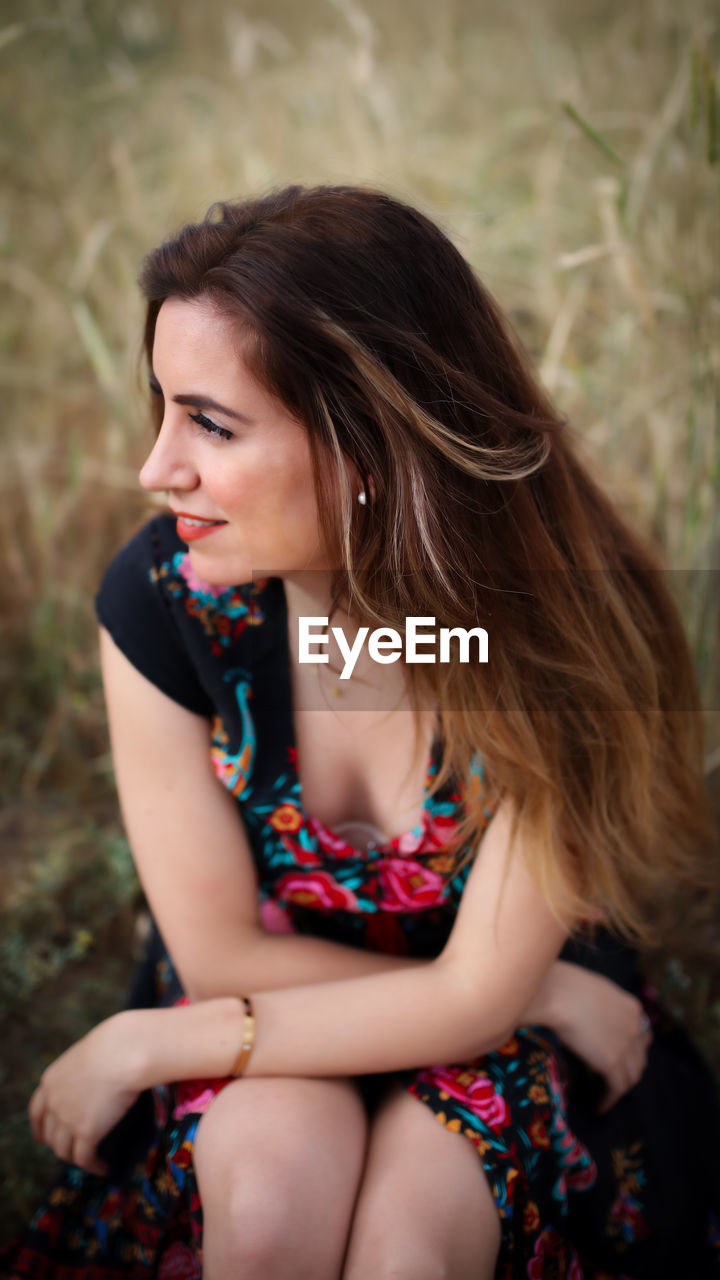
369 325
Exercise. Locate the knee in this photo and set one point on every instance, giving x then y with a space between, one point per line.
246 1223
272 1164
401 1261
257 1223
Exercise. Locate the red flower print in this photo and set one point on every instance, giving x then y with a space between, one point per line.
286 817
178 1263
316 889
50 1223
303 857
441 828
110 1206
550 1247
183 1156
538 1134
474 1090
531 1217
328 841
407 886
411 841
195 1096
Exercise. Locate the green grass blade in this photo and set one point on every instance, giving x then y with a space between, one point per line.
593 134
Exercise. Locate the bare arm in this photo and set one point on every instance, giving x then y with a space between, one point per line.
193 856
456 1007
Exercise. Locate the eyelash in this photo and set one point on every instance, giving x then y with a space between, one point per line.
211 428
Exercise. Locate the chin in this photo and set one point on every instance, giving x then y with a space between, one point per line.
219 571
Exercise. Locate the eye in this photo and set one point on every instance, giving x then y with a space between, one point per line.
209 427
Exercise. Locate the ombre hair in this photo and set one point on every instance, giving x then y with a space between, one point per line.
361 316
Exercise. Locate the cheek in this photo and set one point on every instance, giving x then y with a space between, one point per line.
272 488
287 482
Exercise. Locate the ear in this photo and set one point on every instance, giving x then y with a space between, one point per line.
357 483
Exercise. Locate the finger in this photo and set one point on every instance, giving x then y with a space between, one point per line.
626 1076
47 1128
85 1155
637 1059
609 1098
36 1111
62 1142
618 1083
608 1102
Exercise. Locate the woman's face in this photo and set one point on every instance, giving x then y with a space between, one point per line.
231 458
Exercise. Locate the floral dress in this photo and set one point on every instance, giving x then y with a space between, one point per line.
633 1194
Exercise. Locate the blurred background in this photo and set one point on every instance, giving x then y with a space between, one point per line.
569 147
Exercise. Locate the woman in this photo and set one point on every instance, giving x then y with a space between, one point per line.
404 872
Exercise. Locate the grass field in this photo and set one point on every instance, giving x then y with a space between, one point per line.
571 149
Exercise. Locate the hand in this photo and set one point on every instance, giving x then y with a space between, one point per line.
601 1022
84 1092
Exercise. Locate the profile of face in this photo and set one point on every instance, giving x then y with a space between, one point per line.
236 465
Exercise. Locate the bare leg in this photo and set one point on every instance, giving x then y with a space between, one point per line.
424 1209
278 1163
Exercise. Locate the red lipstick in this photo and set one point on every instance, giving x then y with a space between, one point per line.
190 528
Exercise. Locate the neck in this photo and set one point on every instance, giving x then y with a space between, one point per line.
306 593
372 686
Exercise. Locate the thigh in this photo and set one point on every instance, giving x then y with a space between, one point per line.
279 1160
424 1206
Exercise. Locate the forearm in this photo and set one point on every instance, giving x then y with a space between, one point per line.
271 960
547 1006
380 1022
266 961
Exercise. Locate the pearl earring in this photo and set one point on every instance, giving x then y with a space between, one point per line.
362 497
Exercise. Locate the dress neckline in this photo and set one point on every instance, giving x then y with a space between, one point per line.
413 834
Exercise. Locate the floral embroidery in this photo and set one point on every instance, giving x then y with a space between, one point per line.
315 889
286 817
223 612
406 885
625 1221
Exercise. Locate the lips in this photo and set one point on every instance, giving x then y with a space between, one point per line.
190 528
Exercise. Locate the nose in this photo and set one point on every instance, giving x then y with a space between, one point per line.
167 466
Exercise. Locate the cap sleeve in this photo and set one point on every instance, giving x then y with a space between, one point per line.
134 606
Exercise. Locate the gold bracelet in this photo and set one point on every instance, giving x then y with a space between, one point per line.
247 1037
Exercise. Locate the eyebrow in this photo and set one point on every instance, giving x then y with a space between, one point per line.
201 402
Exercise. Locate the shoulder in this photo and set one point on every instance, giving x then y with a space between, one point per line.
178 630
135 603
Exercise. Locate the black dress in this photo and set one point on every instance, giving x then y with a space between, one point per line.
632 1194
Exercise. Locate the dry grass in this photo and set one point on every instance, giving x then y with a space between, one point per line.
570 149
